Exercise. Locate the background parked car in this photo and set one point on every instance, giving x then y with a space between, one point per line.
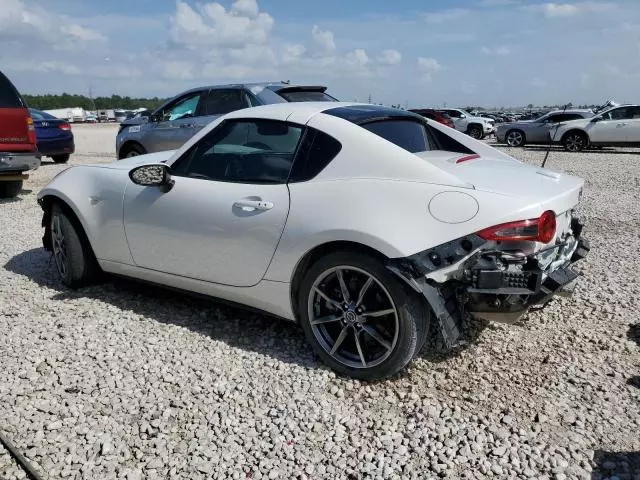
432 114
18 152
517 134
476 127
180 118
616 127
54 136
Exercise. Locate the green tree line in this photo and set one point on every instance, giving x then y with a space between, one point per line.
66 100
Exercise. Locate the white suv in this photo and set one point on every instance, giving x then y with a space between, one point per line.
618 126
476 127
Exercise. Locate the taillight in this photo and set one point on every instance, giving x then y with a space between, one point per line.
31 130
65 126
466 158
541 229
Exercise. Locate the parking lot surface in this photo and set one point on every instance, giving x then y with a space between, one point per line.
128 381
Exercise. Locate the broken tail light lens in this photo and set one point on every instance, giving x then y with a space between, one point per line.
541 229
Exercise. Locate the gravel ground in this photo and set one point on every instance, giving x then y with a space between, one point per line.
124 381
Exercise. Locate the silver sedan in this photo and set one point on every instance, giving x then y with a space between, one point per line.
517 134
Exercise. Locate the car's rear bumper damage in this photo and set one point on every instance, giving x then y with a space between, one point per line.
472 276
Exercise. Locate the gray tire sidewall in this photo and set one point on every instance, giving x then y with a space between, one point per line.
10 189
412 317
77 256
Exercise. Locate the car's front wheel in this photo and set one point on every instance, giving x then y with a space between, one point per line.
575 142
475 131
72 253
358 317
514 138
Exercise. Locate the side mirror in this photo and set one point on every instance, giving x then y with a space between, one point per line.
152 175
463 116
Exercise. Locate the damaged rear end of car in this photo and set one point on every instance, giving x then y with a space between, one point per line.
502 271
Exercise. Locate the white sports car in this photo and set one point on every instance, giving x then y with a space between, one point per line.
362 223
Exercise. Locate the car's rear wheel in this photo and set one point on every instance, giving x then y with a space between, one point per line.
575 142
476 132
515 138
61 158
10 189
72 253
359 318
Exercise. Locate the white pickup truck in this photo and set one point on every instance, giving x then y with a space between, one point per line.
476 127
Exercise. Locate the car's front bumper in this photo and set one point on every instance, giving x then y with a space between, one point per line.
16 162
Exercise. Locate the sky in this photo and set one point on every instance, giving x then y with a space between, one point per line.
416 53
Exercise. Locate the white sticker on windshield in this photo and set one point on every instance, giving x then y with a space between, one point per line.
134 128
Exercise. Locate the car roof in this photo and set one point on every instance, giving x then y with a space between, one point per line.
570 110
301 112
248 85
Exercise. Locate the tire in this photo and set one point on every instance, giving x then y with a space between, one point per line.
515 138
61 158
133 151
10 189
575 141
73 257
475 131
387 342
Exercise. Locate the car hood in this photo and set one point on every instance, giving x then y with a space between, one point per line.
505 176
135 121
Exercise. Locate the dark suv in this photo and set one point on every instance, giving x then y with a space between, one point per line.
175 122
18 152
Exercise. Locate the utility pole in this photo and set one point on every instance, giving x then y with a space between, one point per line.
93 104
369 98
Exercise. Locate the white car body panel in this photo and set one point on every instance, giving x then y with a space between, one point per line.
372 193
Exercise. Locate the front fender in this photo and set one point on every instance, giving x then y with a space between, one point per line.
94 194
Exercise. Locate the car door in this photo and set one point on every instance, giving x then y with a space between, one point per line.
458 119
633 126
538 130
611 126
170 128
222 219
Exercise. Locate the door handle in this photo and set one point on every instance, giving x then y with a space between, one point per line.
186 125
620 125
253 205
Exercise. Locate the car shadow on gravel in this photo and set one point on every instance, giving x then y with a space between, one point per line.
608 465
634 335
234 325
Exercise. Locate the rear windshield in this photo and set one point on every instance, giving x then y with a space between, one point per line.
306 96
39 115
9 96
407 134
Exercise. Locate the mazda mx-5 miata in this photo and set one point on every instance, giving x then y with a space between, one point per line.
372 227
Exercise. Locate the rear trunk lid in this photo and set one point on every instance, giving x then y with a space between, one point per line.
17 133
509 177
51 128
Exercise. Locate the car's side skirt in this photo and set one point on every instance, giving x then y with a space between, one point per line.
269 296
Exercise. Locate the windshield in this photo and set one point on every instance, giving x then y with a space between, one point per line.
307 96
407 134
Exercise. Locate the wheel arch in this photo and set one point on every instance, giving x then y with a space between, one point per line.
516 129
46 203
575 130
127 146
317 252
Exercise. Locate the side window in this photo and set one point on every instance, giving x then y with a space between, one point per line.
453 113
243 151
445 142
553 118
572 116
622 113
635 113
182 108
220 102
316 151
